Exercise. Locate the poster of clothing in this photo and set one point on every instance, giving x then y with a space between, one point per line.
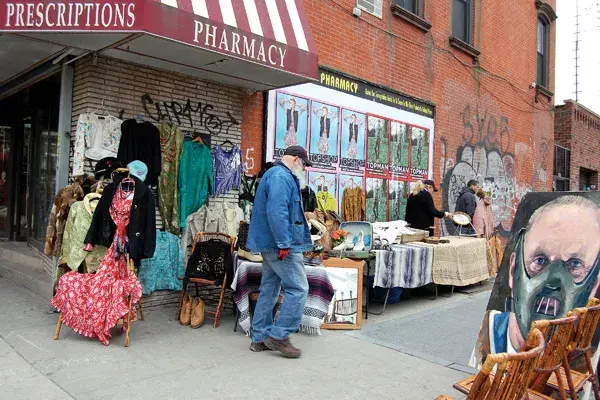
291 123
348 182
352 141
324 184
400 140
324 128
398 191
419 159
377 145
376 200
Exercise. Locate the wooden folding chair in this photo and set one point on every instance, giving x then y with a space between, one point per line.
581 345
202 237
558 334
506 376
131 313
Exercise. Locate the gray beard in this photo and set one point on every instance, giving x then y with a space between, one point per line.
301 175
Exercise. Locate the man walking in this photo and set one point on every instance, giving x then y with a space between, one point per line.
467 202
278 229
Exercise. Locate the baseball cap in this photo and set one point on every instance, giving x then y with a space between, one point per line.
138 169
430 183
298 151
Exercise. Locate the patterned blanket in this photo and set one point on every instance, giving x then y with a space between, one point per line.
405 265
320 292
462 262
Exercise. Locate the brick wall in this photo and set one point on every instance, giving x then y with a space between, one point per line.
121 85
487 116
578 129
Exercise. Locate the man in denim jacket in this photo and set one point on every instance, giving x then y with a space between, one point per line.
278 229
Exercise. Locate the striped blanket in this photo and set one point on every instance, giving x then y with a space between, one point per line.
405 265
320 292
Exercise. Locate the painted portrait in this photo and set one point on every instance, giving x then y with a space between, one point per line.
324 124
419 148
550 266
324 184
398 191
377 144
399 145
291 122
376 199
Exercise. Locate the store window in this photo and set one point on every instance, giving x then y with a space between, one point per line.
374 7
562 167
542 51
461 20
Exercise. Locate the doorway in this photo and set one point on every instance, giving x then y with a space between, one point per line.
29 140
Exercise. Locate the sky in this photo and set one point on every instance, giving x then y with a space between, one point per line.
589 56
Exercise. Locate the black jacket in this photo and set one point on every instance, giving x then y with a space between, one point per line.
309 199
466 202
141 141
142 225
420 210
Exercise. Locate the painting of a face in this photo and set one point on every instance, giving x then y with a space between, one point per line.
292 103
353 118
325 111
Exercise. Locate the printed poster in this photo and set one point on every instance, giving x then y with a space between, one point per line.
352 141
291 123
377 145
419 161
324 127
399 191
324 184
400 142
376 200
348 182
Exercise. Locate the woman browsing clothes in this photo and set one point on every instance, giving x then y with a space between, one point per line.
420 209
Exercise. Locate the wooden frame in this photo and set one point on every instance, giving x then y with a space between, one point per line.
359 266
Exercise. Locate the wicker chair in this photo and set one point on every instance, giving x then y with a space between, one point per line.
558 334
589 317
202 237
506 376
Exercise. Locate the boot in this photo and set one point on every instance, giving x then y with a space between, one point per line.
284 347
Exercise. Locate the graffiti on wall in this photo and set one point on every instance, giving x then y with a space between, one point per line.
248 160
484 156
188 113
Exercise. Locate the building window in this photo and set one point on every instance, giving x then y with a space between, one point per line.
461 20
562 168
374 7
412 12
409 5
542 52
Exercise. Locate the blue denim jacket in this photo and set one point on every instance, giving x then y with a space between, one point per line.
278 220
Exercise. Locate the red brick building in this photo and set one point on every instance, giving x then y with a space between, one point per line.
577 145
486 67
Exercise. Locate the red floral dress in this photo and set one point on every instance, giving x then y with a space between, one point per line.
92 304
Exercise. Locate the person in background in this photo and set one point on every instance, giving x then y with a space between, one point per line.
420 209
279 230
483 219
466 201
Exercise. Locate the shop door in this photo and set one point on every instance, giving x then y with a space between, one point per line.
5 162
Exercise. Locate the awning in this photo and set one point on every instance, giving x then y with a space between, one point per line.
260 44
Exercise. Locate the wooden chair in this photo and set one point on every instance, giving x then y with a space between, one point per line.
581 345
506 376
202 237
558 334
131 313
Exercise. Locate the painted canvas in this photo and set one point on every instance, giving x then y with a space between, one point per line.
291 123
551 265
345 309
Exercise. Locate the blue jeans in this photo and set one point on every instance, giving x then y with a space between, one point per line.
290 275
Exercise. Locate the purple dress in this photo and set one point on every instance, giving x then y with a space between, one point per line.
227 169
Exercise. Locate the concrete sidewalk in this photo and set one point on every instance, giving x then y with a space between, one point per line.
168 361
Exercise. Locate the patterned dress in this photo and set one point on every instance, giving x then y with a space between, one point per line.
352 149
171 143
323 144
92 304
290 138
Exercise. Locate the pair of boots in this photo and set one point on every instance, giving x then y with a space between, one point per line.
192 312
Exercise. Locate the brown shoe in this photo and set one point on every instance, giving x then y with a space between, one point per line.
197 313
186 310
258 347
284 347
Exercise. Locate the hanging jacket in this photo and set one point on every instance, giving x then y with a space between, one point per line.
141 230
309 199
141 141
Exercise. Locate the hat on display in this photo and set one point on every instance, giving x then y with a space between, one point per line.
138 169
105 167
298 151
431 183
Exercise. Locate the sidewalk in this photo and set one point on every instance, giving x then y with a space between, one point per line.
168 361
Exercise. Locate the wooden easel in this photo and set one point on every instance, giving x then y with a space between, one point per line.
131 267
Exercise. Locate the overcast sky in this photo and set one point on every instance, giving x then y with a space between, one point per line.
589 55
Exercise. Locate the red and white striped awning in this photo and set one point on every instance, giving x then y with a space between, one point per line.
272 33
